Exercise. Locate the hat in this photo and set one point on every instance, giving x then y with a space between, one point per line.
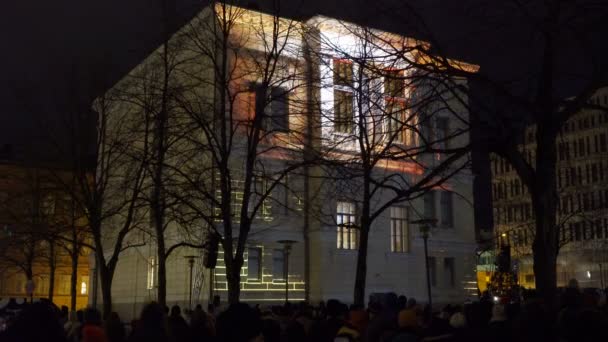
407 319
458 320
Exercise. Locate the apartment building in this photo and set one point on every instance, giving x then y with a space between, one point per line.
583 201
314 108
33 209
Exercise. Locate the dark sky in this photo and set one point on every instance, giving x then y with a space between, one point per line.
45 41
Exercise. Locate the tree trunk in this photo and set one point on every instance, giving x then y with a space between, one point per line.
233 276
52 267
544 198
105 279
74 277
161 293
361 274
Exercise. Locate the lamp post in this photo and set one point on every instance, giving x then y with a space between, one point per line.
286 248
425 227
190 259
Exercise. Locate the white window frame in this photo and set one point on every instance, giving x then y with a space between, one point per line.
346 228
399 229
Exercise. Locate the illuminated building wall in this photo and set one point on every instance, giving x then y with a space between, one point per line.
31 198
582 166
395 261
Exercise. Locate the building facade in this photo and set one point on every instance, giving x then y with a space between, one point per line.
35 210
316 106
583 201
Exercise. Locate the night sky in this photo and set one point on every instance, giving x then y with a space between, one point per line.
44 42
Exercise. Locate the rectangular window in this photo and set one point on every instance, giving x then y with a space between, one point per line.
151 280
429 205
447 209
254 264
432 270
396 130
442 133
448 270
343 72
343 111
279 110
399 230
603 142
278 264
394 85
348 234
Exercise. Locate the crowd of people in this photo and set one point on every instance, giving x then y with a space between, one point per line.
580 316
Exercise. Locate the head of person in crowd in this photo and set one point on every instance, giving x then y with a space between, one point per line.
37 322
239 323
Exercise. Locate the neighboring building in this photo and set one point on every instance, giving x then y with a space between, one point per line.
323 259
582 183
33 205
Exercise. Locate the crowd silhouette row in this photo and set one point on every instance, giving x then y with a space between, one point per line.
580 316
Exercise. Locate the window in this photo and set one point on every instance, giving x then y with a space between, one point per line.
429 205
393 83
151 273
447 209
278 264
343 97
83 285
399 230
343 111
343 72
432 270
603 142
272 103
442 133
396 130
254 264
279 110
347 230
448 270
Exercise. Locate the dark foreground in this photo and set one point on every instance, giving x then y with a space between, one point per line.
580 317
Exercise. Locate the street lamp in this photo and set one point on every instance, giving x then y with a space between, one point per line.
287 248
425 227
190 259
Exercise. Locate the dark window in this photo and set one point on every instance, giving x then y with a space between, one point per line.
594 173
278 264
448 268
394 84
432 270
577 231
603 142
447 209
343 111
442 133
254 264
279 109
430 211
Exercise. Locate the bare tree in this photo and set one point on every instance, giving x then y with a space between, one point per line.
532 96
241 97
383 131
